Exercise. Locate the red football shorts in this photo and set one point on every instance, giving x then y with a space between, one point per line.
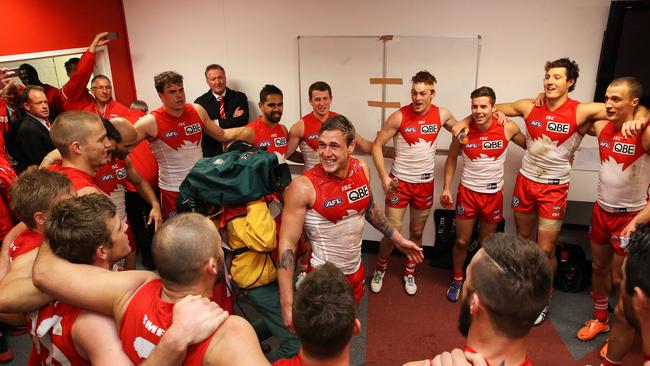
488 206
418 195
548 199
168 203
606 227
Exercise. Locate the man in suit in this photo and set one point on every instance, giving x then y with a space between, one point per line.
33 136
229 108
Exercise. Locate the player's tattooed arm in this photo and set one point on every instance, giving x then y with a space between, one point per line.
287 260
375 216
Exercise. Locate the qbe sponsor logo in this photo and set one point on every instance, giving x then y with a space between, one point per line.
491 145
358 193
121 173
558 127
428 129
280 141
193 129
625 149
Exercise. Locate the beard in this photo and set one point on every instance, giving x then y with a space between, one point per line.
464 318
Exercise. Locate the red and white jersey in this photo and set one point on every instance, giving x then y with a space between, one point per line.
273 138
177 146
334 224
111 179
78 178
483 158
24 243
112 110
146 319
552 139
7 178
51 331
309 139
624 172
415 145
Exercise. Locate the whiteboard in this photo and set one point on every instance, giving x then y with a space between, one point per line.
345 63
348 62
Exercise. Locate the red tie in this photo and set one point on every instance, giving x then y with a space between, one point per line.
222 110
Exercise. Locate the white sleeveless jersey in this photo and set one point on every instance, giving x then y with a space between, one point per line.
415 145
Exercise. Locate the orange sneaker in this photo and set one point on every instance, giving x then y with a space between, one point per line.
591 329
603 351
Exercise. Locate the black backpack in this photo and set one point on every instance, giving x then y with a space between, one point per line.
242 174
441 253
573 270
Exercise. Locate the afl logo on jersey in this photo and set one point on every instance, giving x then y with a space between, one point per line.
409 130
428 129
558 127
490 145
121 173
171 134
107 177
333 202
604 144
358 194
280 141
264 144
535 123
472 145
192 129
312 137
626 149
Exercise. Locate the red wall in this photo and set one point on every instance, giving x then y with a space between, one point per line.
46 25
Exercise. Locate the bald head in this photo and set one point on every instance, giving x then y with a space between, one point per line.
72 127
183 246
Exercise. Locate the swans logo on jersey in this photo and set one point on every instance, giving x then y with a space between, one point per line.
460 209
429 129
491 145
621 148
515 201
409 130
536 123
171 134
358 193
558 127
192 129
121 173
333 202
394 200
280 141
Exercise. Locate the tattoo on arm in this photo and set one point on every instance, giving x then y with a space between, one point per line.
287 260
375 216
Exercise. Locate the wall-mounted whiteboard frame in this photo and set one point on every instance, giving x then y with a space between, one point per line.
453 58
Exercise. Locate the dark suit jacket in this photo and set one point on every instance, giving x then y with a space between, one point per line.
32 142
233 99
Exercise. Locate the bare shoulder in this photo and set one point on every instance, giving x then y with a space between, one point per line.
297 128
236 339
